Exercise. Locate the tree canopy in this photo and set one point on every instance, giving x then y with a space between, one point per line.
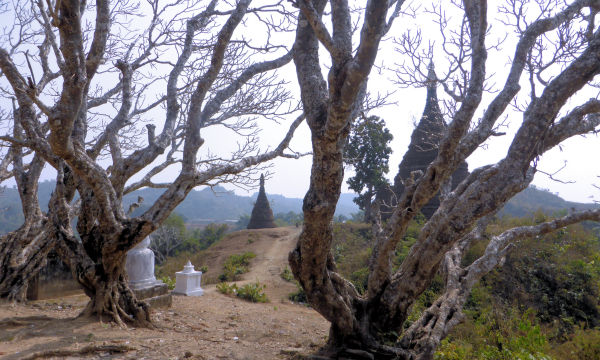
368 152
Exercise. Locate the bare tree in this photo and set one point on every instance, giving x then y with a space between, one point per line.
165 241
208 75
556 50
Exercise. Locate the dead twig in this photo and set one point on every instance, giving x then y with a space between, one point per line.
22 321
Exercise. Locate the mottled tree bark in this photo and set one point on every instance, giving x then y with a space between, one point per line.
105 232
363 325
329 108
23 251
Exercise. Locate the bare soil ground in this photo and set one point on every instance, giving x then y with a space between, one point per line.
213 326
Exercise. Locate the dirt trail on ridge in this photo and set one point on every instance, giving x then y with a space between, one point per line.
271 247
268 265
212 326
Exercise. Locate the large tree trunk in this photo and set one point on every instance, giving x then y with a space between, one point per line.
97 259
22 254
103 279
329 115
365 340
111 296
23 251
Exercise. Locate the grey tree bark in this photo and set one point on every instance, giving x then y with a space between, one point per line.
361 325
229 89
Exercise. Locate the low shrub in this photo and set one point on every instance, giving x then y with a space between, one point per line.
254 292
584 344
169 281
236 265
287 275
227 289
490 333
298 296
360 279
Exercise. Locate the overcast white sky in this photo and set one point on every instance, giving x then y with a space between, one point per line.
576 157
291 177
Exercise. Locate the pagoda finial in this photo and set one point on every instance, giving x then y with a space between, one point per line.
431 77
262 180
431 87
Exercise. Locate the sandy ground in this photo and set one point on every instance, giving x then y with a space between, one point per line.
213 326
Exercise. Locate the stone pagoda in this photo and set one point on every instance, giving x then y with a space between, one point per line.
262 215
423 148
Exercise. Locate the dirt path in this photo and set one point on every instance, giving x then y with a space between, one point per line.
213 326
271 247
268 265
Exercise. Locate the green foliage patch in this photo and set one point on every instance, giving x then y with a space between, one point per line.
582 345
495 333
254 292
286 274
227 289
200 239
543 303
236 265
169 281
298 296
368 152
552 283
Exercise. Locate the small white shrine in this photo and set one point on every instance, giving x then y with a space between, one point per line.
188 281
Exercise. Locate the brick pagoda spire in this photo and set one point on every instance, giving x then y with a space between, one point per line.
423 148
262 215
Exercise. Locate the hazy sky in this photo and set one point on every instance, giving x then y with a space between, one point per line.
576 157
291 177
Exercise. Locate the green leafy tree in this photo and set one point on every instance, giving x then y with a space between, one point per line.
288 219
242 222
368 152
201 239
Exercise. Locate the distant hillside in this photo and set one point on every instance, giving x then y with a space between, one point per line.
216 205
532 199
220 204
204 204
11 215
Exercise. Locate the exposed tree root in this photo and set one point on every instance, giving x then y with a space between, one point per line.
25 327
90 349
23 321
118 303
373 352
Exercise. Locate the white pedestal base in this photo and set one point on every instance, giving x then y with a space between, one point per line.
188 281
